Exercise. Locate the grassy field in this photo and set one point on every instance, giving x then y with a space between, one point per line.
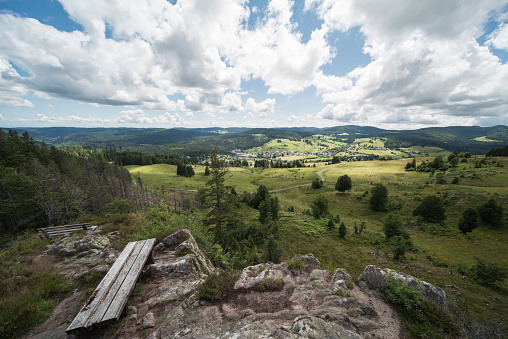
441 249
316 143
243 179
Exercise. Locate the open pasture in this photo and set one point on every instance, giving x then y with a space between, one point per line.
242 179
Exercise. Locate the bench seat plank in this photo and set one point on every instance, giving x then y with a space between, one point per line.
97 316
115 309
110 297
93 301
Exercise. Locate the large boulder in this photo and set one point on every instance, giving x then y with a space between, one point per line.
179 255
377 278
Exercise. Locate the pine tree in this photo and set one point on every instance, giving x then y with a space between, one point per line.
221 218
342 230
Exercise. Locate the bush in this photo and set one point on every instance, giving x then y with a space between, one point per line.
469 221
491 213
440 179
431 209
320 207
331 224
344 183
317 183
270 284
402 295
216 286
273 250
486 273
295 263
423 319
379 198
400 245
392 226
120 206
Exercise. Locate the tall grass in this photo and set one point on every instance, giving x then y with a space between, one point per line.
28 294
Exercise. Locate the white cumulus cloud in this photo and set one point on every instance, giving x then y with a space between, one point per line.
425 58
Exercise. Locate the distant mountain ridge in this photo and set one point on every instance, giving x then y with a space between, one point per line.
198 141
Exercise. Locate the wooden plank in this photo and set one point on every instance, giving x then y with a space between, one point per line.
49 232
97 316
87 310
67 226
115 309
68 230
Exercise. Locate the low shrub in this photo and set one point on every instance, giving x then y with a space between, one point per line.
295 264
270 284
402 295
422 318
216 286
486 273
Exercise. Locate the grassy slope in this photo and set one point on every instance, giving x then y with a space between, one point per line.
449 249
243 179
302 234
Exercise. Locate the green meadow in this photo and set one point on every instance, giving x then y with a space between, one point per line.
442 252
242 179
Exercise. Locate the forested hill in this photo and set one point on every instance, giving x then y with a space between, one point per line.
41 185
474 139
199 141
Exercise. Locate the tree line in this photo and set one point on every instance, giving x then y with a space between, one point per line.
129 157
42 186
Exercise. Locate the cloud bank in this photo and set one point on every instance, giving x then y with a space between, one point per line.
427 66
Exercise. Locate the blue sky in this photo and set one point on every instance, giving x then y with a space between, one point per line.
200 63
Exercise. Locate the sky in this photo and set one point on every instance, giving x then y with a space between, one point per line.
394 64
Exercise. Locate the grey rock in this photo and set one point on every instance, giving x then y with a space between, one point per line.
149 320
364 325
253 275
377 278
101 269
317 328
176 238
56 333
309 259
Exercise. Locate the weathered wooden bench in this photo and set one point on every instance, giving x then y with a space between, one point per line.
109 299
56 231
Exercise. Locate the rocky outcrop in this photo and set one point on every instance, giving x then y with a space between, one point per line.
377 278
83 254
306 303
76 245
267 300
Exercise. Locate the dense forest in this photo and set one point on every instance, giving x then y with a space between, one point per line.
498 152
41 185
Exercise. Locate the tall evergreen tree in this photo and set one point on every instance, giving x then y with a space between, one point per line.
221 218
